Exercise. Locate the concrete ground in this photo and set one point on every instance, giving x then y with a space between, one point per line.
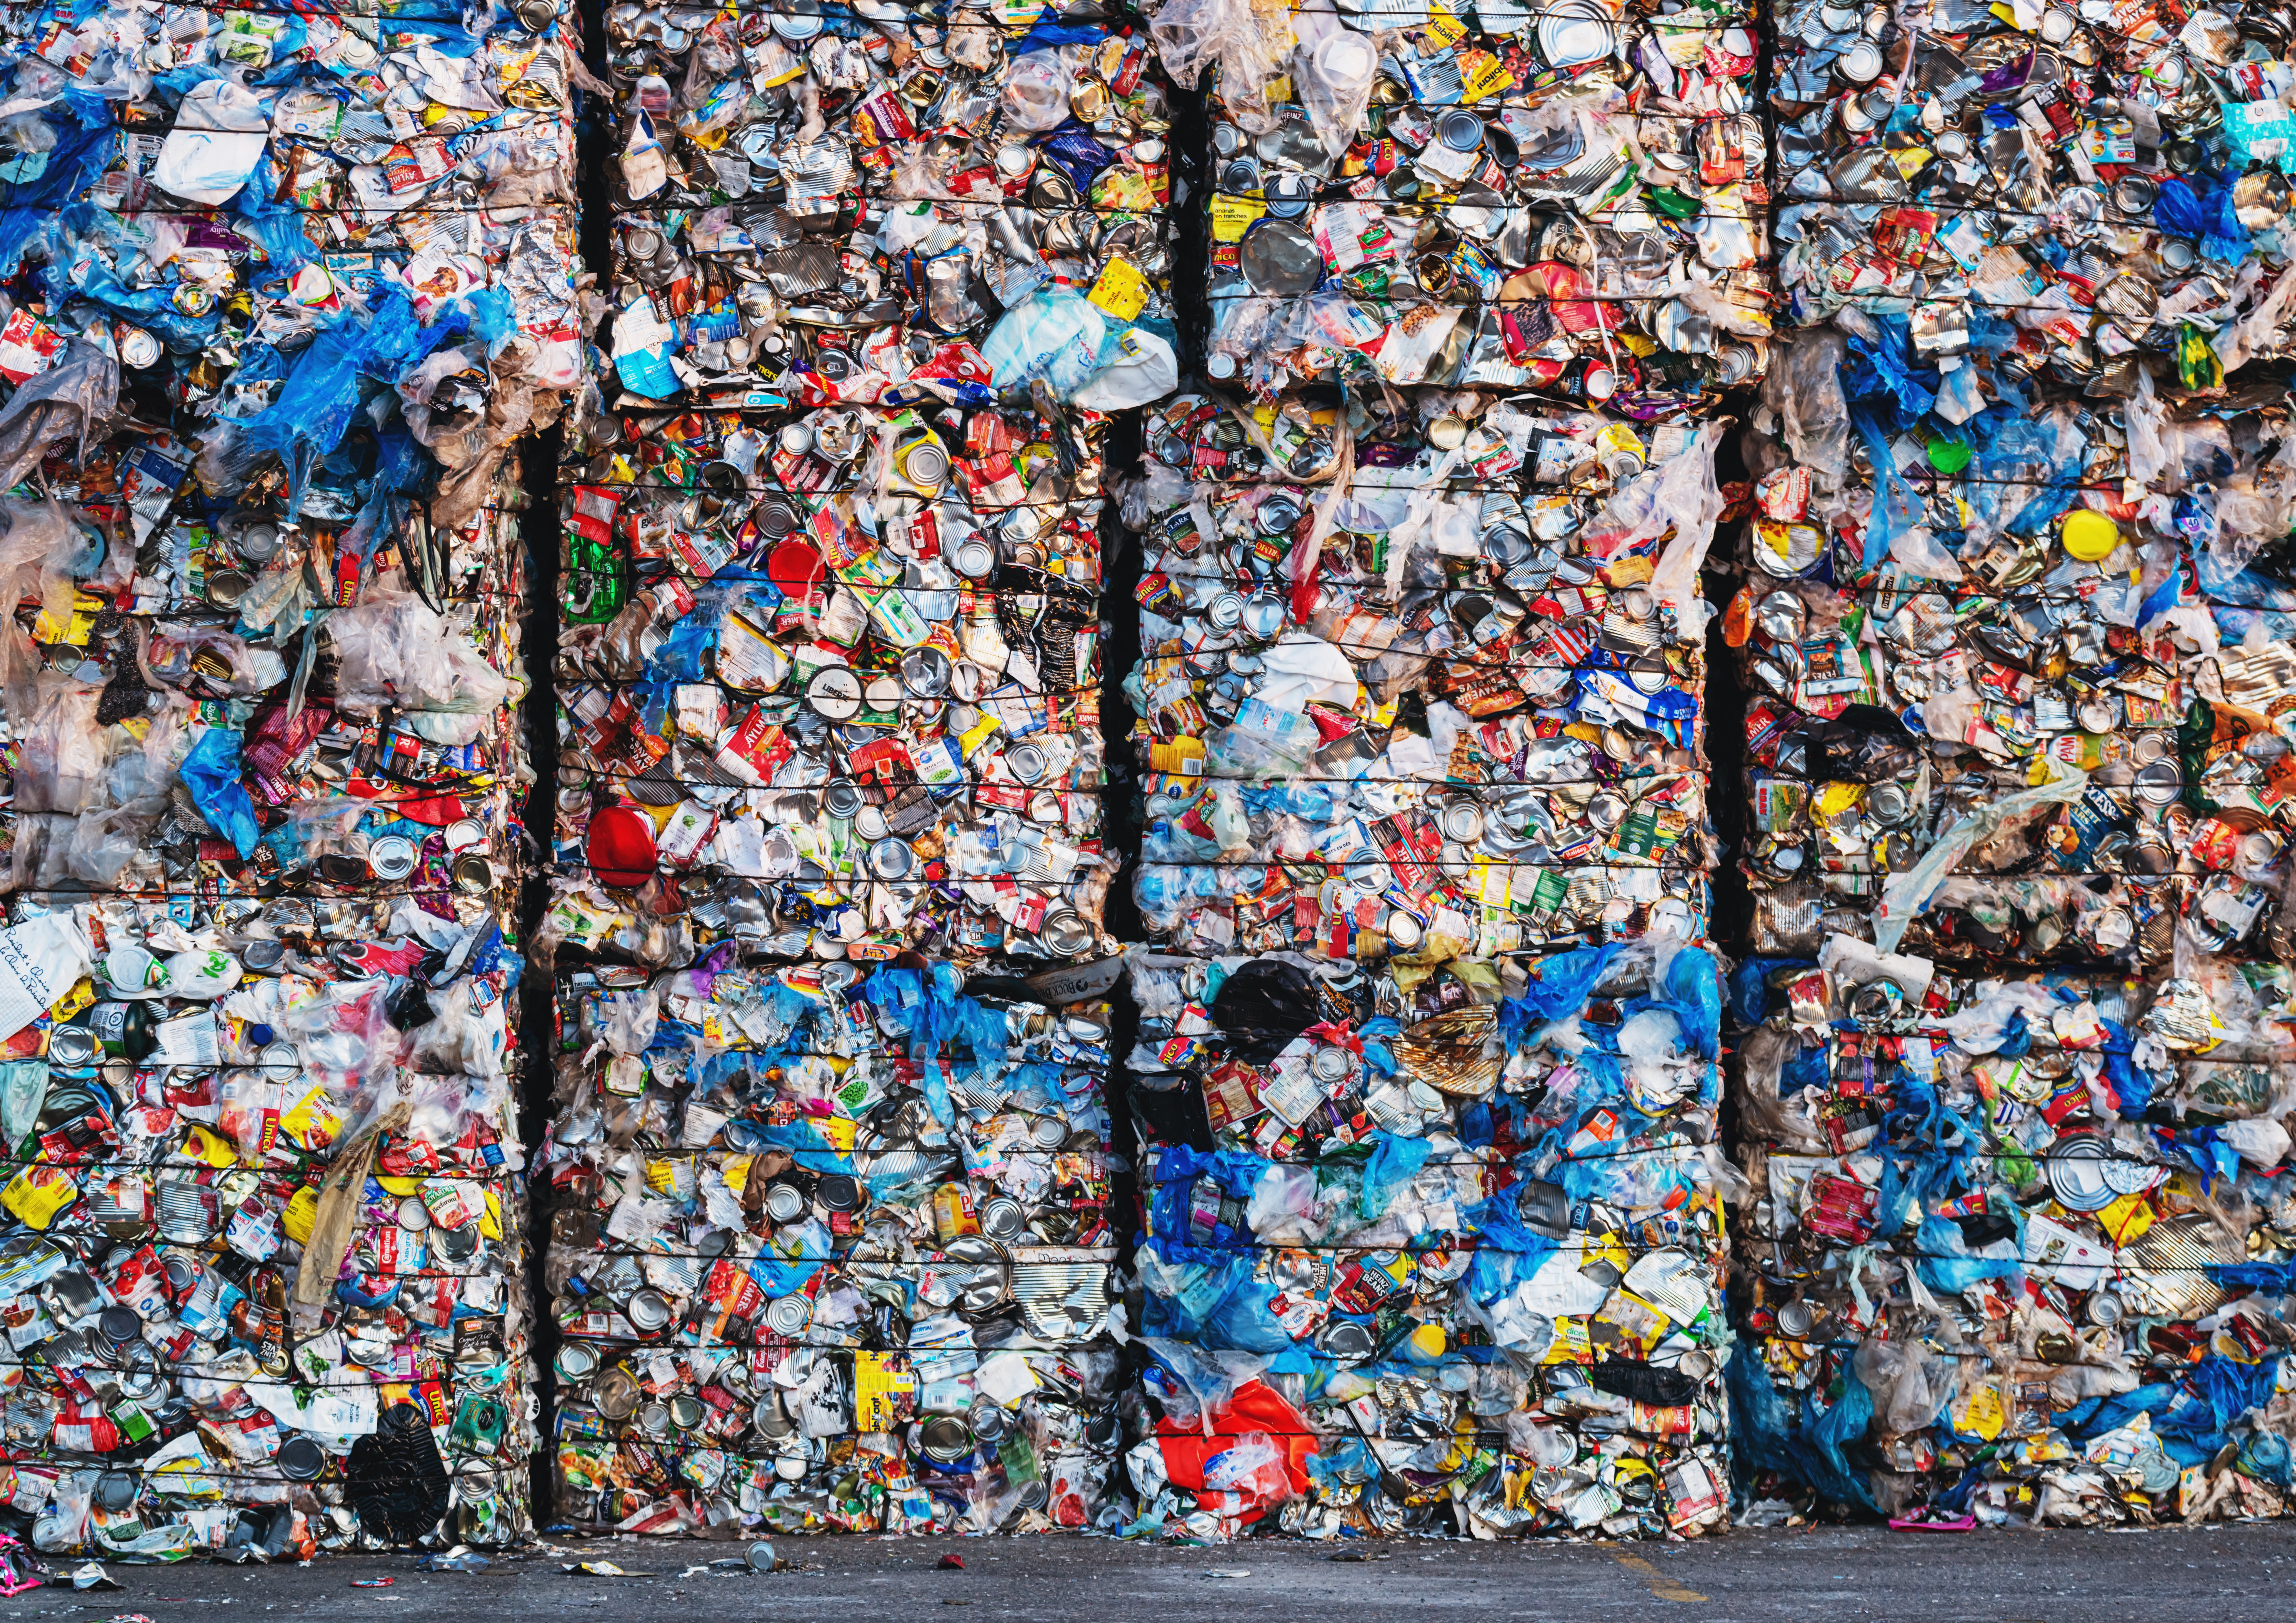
1843 1575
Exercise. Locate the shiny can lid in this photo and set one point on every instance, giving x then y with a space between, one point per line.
1462 821
1003 1218
834 693
1026 761
115 1491
1066 935
925 465
1460 130
257 541
118 1325
225 587
2158 783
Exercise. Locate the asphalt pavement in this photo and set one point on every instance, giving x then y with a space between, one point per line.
1846 1574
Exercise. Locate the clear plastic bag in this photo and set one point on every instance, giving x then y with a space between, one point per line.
1035 95
1333 72
1056 334
71 397
1680 494
38 544
395 650
1248 43
1136 366
1804 388
61 762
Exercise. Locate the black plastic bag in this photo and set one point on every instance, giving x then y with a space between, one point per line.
397 1481
1644 1383
1262 1006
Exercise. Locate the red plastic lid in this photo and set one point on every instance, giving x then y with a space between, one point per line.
794 568
620 847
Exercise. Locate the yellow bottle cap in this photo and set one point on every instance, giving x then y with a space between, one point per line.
1426 1345
2089 535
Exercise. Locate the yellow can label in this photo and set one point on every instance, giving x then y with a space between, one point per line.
1233 215
38 1193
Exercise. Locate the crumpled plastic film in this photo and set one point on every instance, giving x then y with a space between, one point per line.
279 293
1428 1067
833 1250
1557 199
2014 611
830 1240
